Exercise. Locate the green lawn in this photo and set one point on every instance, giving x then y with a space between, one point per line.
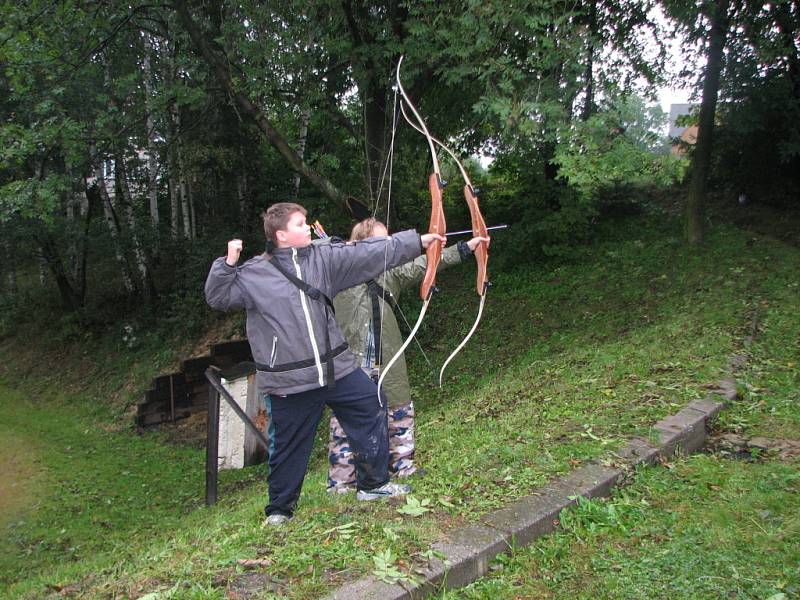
571 358
707 527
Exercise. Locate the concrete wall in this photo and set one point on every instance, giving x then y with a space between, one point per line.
237 445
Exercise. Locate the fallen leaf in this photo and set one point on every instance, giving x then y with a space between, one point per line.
253 563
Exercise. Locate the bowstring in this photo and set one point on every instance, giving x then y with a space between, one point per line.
389 167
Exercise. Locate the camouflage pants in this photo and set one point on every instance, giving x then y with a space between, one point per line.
341 467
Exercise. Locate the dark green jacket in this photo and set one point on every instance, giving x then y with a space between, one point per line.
354 315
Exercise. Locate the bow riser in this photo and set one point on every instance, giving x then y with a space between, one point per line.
437 225
478 230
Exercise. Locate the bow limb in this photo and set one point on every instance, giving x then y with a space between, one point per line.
482 259
435 185
437 225
465 340
402 349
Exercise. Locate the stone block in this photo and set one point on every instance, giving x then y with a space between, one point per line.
639 451
710 408
369 588
684 431
529 518
468 552
238 445
593 481
727 389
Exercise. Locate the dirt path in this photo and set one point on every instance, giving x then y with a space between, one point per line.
19 474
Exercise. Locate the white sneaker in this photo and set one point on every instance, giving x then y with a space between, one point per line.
340 489
276 519
388 490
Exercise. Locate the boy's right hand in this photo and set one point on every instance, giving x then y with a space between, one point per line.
234 250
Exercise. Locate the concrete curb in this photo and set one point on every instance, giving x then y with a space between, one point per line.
468 551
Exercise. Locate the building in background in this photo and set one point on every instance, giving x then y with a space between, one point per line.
681 136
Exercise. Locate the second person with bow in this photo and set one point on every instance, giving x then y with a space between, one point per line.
367 316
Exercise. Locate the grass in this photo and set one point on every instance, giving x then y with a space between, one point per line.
570 359
708 527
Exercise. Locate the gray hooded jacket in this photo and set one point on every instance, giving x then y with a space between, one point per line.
288 331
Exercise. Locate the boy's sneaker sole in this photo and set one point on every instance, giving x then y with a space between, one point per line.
276 519
389 490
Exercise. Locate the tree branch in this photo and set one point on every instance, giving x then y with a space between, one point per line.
246 106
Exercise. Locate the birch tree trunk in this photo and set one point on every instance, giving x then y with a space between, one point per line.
152 163
243 194
173 140
110 217
305 117
183 187
120 173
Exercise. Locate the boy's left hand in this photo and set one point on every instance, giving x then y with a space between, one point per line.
428 238
473 243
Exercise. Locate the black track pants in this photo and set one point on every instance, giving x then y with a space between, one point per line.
293 421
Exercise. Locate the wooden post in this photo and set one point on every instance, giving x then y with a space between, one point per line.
212 445
171 397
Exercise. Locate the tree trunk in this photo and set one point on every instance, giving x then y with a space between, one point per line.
78 214
588 104
152 150
183 189
110 218
139 254
70 298
243 195
86 211
305 117
192 216
695 205
72 213
173 143
174 195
